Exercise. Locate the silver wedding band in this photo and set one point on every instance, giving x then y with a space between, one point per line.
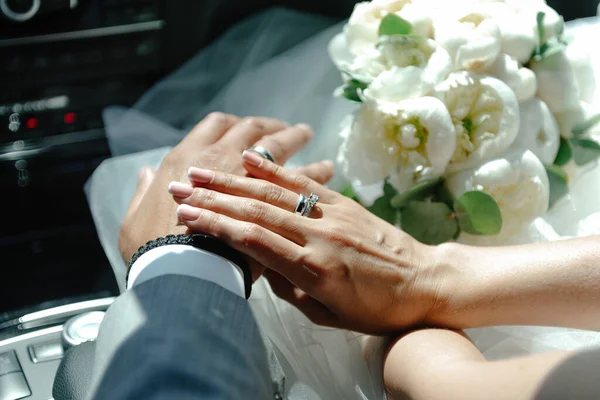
305 205
264 153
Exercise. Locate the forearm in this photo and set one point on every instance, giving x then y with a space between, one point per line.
553 284
437 364
180 337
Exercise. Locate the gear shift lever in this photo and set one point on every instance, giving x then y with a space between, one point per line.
81 328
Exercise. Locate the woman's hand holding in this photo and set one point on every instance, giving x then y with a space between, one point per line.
342 266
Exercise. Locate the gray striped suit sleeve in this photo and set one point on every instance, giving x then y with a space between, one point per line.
176 337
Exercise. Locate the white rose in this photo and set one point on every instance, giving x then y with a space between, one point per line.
520 79
556 82
485 113
583 69
567 119
471 36
362 30
404 67
538 131
518 30
519 184
414 138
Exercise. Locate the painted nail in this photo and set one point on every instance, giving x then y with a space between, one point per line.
179 189
329 164
188 213
252 158
304 127
200 175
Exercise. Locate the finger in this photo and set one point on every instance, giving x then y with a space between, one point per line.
145 177
250 130
320 172
284 144
314 310
264 169
266 247
212 128
244 187
286 224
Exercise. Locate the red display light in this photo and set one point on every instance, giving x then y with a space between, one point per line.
70 118
32 123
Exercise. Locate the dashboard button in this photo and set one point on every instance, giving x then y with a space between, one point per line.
9 363
14 386
48 351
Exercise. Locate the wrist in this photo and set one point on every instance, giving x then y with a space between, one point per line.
458 303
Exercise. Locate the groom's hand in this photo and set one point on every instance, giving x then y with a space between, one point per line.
217 142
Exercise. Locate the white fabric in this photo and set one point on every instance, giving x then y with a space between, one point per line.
296 86
188 261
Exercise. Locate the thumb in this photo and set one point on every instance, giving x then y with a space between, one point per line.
321 171
145 178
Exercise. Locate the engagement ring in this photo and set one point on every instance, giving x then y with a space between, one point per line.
264 153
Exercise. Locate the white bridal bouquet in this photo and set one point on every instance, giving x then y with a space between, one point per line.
473 114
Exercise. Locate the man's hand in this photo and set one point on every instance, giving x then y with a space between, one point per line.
217 142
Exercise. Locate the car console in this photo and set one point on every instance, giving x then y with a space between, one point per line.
32 346
61 63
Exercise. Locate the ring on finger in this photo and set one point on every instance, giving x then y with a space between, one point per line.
313 199
301 204
305 205
264 153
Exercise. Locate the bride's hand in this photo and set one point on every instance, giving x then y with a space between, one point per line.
342 266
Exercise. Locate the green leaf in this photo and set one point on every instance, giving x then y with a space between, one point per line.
388 190
383 205
478 213
565 152
384 210
559 183
349 192
429 223
583 127
540 25
351 88
418 192
585 151
443 195
392 24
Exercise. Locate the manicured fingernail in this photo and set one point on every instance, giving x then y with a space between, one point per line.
179 189
252 158
188 213
200 175
304 127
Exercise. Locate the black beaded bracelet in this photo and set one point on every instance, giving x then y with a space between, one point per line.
201 242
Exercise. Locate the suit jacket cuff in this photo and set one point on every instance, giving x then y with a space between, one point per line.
187 261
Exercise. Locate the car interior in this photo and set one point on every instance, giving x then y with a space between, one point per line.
61 63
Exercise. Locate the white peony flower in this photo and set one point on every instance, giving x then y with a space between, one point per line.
519 33
362 30
485 113
579 58
412 138
520 79
470 35
538 131
403 67
567 119
554 23
519 184
556 82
